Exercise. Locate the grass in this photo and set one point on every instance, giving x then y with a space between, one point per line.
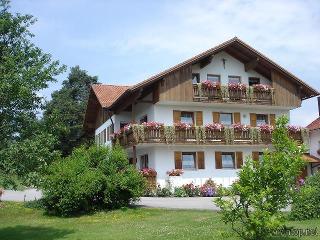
18 222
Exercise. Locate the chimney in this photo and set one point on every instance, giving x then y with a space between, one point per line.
319 105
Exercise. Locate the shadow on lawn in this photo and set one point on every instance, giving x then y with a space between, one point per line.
21 232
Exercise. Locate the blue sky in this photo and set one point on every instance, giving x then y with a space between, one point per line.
124 42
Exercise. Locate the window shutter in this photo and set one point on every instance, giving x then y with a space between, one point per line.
216 117
272 118
239 159
200 160
253 119
255 156
176 116
218 158
177 160
236 117
199 118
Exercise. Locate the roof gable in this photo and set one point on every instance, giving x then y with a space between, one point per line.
314 125
108 94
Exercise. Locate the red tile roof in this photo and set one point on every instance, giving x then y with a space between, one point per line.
108 94
314 125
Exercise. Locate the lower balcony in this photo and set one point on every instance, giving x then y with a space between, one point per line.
138 134
236 93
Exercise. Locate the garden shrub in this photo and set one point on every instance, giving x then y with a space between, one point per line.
89 179
191 190
307 200
209 189
163 192
179 192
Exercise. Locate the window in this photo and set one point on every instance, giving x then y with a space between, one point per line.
187 117
213 78
122 124
234 79
144 161
254 81
144 119
262 119
188 160
226 118
195 78
228 160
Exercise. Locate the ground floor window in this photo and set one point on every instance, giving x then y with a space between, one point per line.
188 160
262 119
228 160
144 161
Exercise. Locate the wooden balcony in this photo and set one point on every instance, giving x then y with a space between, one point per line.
224 94
195 136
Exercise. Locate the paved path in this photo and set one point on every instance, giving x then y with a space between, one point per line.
20 196
203 203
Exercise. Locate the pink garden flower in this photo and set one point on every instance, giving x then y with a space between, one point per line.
175 172
262 87
237 86
214 126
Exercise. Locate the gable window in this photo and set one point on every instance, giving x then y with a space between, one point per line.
226 118
228 160
144 161
195 78
234 79
262 119
187 117
144 119
213 78
188 160
254 81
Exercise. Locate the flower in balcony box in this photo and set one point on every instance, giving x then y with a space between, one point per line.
294 129
153 125
127 127
148 172
240 127
116 134
182 125
214 126
175 172
262 87
266 128
210 85
237 86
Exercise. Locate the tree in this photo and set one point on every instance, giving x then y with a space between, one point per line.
253 204
24 70
64 114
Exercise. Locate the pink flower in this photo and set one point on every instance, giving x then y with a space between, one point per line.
262 87
214 126
148 172
182 125
175 172
210 85
237 86
266 128
240 127
153 125
294 129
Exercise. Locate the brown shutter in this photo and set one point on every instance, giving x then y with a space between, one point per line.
199 118
253 119
176 116
255 156
239 159
177 160
216 117
200 160
218 158
237 117
272 119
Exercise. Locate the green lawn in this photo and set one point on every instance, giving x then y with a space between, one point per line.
18 222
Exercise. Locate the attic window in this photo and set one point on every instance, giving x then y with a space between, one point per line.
195 78
213 78
234 79
254 81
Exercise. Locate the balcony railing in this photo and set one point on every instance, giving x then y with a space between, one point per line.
198 135
224 94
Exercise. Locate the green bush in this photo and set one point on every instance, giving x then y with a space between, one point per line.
163 192
179 192
90 179
307 201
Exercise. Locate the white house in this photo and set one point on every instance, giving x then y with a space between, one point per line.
204 115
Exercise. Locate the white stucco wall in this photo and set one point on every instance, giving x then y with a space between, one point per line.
164 113
315 142
161 158
233 67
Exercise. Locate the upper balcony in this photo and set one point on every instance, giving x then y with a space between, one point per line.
211 134
233 93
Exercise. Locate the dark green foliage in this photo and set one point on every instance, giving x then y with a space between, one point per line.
163 192
64 114
24 162
254 203
307 201
24 70
89 179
